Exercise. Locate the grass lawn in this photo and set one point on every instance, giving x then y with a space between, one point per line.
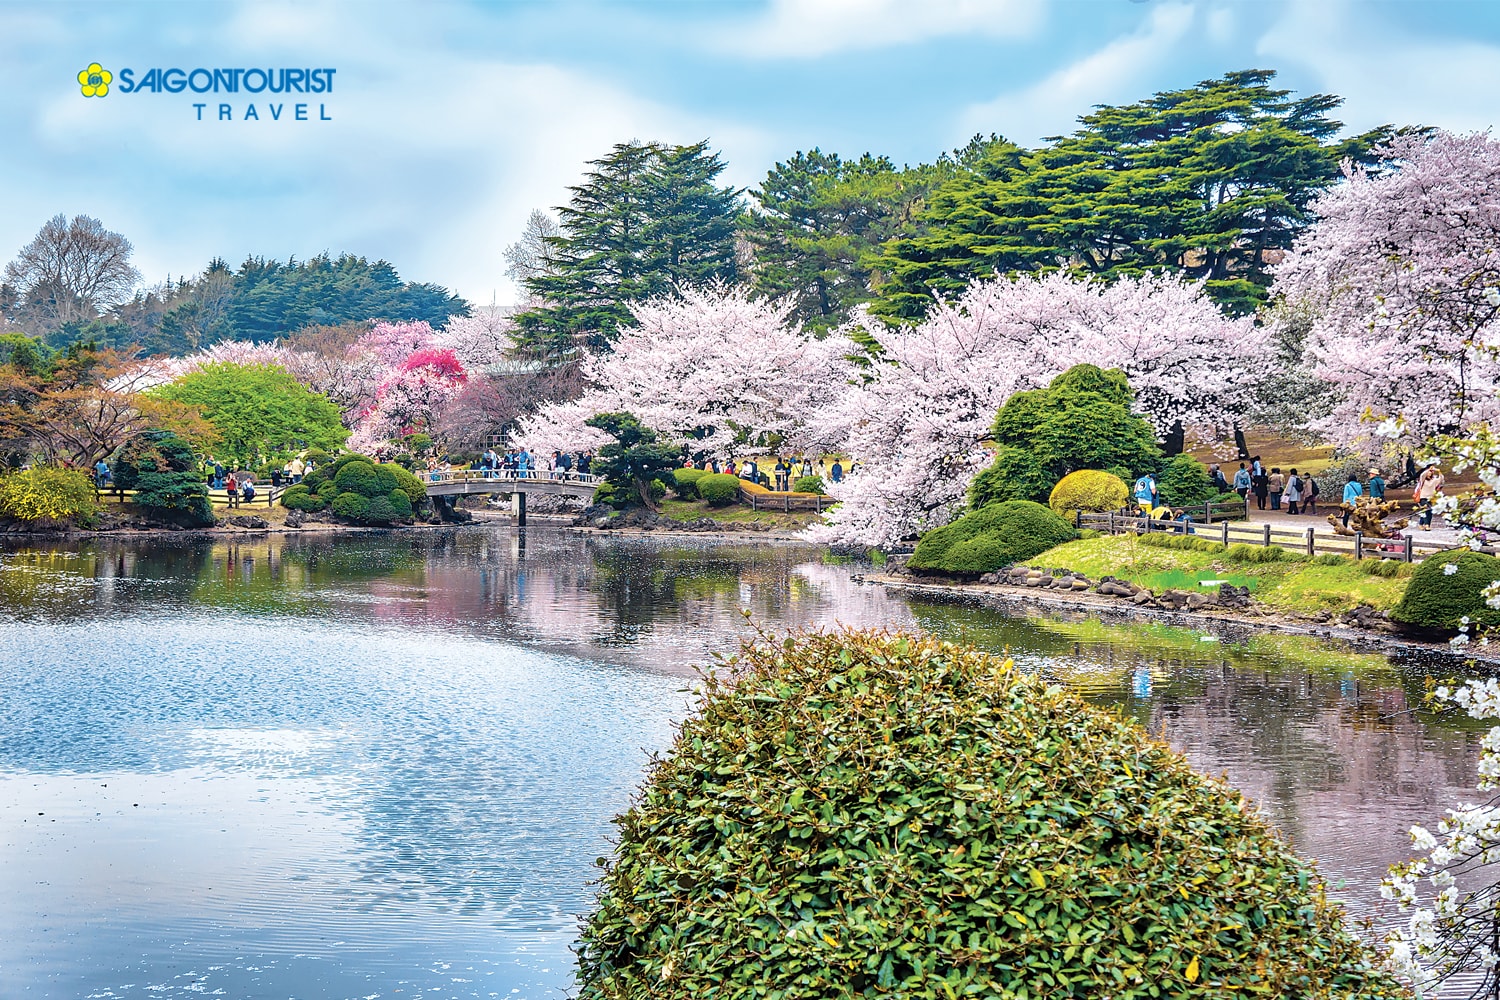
688 510
1293 584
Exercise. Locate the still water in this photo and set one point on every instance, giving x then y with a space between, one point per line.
383 766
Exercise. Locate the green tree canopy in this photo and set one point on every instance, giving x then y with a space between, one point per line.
648 219
1082 420
259 410
819 222
635 457
1204 180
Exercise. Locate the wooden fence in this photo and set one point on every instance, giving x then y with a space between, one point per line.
266 497
1309 541
760 498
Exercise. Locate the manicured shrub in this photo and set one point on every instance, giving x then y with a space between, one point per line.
408 483
656 490
719 488
1184 482
328 489
48 494
365 479
991 537
1438 599
380 511
299 497
1015 474
400 504
1191 543
1242 552
1088 490
687 481
163 471
345 459
316 455
875 814
809 484
350 505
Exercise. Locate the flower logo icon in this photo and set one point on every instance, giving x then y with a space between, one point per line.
95 80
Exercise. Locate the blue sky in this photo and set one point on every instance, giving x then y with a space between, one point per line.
451 121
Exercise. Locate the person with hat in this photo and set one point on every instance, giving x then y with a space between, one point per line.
1376 488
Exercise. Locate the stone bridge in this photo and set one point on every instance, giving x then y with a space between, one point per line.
510 482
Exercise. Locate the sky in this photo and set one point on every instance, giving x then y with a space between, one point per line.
448 122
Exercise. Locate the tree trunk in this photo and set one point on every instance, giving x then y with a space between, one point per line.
644 489
1172 444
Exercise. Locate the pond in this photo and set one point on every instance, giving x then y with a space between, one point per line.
382 765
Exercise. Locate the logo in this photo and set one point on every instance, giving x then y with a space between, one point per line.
95 80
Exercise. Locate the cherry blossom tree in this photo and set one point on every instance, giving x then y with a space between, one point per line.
917 427
410 397
481 339
1402 271
713 370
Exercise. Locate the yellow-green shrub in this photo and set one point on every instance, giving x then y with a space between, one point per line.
1088 490
48 494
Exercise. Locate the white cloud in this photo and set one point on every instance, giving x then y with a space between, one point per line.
1385 74
432 160
810 28
1116 73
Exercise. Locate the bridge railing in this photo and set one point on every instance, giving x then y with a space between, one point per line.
511 475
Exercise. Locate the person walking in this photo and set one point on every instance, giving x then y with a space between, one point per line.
232 488
1145 491
836 474
1377 485
1293 494
1309 494
1352 492
1216 478
1429 487
1260 485
1242 483
297 468
1277 483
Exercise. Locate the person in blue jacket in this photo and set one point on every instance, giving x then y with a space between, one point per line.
1352 492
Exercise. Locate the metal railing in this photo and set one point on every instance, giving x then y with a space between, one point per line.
510 475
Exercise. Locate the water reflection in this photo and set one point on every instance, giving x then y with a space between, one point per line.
314 766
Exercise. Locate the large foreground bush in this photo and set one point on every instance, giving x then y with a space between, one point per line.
862 815
163 471
1439 599
48 494
991 537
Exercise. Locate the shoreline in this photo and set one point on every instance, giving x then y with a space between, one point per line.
1006 598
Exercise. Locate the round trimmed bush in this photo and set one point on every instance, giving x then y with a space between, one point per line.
687 481
407 483
344 460
719 488
350 505
365 479
809 484
328 489
875 814
991 537
299 497
400 504
1087 490
1438 599
380 510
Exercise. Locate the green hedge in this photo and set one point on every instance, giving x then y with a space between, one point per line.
350 505
991 537
876 814
299 497
1184 482
408 483
719 488
365 478
809 484
687 481
1438 599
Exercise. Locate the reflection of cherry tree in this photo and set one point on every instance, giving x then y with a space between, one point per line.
1402 271
917 426
713 370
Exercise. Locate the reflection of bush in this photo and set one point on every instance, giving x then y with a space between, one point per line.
855 780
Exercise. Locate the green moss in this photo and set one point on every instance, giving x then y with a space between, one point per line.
874 814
